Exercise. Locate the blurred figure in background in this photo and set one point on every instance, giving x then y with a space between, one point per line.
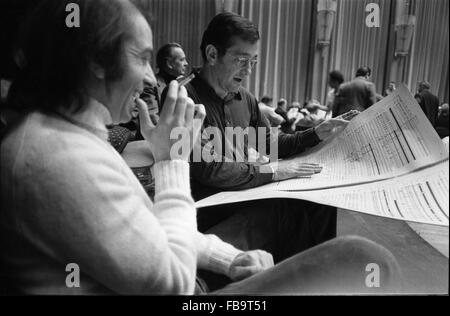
358 94
335 79
312 114
288 125
390 88
172 64
427 101
266 108
442 121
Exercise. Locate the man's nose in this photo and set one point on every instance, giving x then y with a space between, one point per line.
150 76
247 70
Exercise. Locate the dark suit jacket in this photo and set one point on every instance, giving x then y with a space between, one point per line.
429 104
357 94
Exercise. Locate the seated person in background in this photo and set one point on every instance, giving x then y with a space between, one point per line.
292 115
288 124
296 104
281 107
390 88
335 79
265 106
172 64
282 227
292 111
312 114
358 94
442 121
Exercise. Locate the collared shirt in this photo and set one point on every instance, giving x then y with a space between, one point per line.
238 110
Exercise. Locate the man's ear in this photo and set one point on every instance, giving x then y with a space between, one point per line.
168 64
211 54
97 70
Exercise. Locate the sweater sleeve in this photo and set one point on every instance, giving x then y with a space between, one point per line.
214 254
89 210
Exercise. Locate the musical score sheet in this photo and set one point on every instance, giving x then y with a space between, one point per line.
389 161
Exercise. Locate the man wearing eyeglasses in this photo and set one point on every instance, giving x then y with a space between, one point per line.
283 227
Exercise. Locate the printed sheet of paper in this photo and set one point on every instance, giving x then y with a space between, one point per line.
420 196
389 162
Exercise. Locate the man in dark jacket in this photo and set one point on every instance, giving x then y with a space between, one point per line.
358 94
427 101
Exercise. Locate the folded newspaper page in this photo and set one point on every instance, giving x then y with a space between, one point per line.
389 162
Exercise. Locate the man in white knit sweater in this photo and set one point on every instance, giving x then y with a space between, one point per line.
70 200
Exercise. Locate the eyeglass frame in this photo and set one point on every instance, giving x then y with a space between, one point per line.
243 62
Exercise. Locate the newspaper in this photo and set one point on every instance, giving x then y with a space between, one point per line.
389 162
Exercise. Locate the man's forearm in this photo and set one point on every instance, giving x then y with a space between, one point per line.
230 175
291 144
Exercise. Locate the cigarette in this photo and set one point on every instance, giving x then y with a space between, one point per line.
186 80
350 114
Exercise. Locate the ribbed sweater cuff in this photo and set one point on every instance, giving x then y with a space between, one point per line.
214 254
220 261
171 175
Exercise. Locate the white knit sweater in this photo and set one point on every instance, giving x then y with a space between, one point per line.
69 197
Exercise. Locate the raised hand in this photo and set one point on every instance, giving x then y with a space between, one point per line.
178 113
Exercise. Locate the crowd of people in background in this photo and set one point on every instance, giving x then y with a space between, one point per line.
356 94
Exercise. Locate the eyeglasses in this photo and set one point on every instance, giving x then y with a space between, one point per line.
243 62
